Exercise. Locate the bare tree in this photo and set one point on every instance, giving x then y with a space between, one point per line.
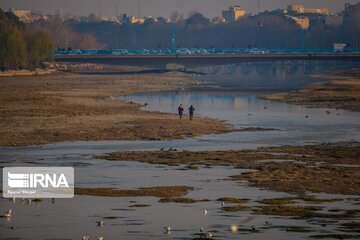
174 16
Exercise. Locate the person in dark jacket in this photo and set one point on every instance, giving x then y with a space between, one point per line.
180 111
191 112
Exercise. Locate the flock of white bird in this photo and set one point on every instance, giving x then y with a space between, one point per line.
9 214
209 235
167 229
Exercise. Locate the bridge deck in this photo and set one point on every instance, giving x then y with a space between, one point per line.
202 59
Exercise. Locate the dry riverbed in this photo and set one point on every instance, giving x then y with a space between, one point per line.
70 107
326 168
341 92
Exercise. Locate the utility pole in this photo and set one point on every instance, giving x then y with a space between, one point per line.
139 8
173 50
117 29
116 9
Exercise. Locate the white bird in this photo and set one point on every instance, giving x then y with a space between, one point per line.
167 230
86 237
13 199
100 223
205 212
100 238
223 204
201 229
111 97
208 235
234 228
8 214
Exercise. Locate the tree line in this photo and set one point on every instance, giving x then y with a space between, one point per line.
63 35
21 47
266 30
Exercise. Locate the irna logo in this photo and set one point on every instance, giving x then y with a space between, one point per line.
39 182
18 180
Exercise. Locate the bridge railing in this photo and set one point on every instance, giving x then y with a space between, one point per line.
196 51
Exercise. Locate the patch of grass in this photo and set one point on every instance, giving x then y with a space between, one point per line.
233 200
251 229
291 211
352 212
298 229
256 129
353 224
335 236
111 217
236 208
140 205
335 210
163 192
319 200
278 201
189 167
181 200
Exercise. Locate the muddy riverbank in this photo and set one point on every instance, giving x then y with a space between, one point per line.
340 91
70 107
324 168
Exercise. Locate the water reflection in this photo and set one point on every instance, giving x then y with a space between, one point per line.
296 124
278 75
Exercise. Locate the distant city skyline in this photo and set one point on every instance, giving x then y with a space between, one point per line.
157 8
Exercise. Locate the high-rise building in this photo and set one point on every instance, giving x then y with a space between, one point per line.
233 14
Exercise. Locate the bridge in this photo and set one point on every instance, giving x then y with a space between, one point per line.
197 60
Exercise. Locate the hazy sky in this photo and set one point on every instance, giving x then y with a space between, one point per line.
210 8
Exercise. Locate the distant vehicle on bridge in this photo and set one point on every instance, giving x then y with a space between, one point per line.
198 51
